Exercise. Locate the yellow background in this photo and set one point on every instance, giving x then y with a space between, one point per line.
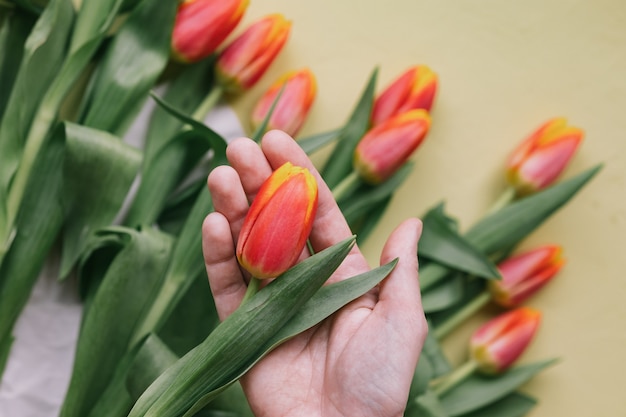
505 67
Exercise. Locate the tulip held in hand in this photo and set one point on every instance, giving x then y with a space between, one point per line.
523 275
386 147
497 344
278 222
541 158
414 89
246 59
298 92
202 25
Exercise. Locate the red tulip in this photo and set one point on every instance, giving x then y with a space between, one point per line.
278 222
202 25
246 59
523 275
539 159
386 147
414 89
293 105
499 342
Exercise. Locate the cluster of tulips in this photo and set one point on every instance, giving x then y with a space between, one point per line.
372 157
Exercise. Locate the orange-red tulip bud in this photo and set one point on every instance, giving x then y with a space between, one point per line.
414 89
523 275
293 105
202 25
246 59
539 159
497 344
278 222
386 147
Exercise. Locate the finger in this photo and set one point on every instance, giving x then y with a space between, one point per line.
399 300
229 197
330 226
246 157
227 284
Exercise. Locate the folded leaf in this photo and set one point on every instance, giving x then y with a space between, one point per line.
133 276
98 172
442 243
445 294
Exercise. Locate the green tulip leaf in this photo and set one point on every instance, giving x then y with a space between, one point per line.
34 237
14 31
44 48
442 243
326 301
218 143
443 295
176 158
95 161
131 65
438 361
235 343
185 92
132 278
192 319
513 405
257 135
509 225
312 143
428 405
479 391
340 165
365 196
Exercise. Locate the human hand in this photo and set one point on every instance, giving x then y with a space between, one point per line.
358 362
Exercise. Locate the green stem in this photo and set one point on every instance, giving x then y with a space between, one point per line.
460 316
505 198
253 288
440 387
208 103
346 186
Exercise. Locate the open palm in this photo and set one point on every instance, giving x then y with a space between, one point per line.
358 362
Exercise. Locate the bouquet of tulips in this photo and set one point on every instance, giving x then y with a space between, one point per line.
150 340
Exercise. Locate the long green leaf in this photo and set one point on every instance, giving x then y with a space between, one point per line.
38 225
131 65
13 34
94 21
508 226
185 93
132 278
312 143
44 48
235 342
513 405
155 357
478 391
443 244
444 294
176 158
340 165
99 170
